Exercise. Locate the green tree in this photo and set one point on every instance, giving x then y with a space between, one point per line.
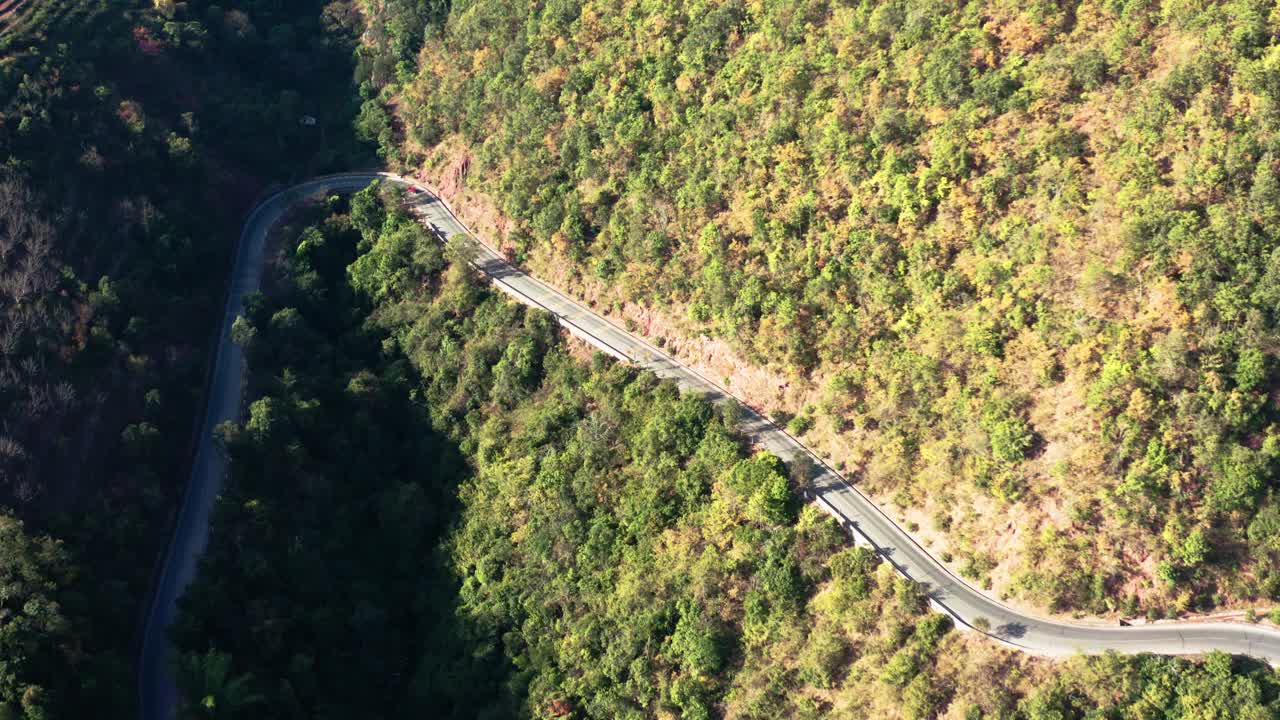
1251 369
763 481
209 689
243 332
694 643
1238 480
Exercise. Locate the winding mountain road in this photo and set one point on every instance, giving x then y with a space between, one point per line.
968 607
158 695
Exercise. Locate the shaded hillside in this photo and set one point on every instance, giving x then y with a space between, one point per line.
133 139
440 508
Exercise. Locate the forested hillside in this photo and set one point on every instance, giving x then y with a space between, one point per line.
440 509
1019 256
1016 258
133 138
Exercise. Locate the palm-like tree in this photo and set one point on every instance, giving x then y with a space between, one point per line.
209 691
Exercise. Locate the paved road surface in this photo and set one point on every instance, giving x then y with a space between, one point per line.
157 695
862 518
868 525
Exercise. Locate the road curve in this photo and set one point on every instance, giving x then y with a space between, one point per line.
157 694
970 608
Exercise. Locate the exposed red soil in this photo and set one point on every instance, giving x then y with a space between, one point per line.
767 389
9 9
